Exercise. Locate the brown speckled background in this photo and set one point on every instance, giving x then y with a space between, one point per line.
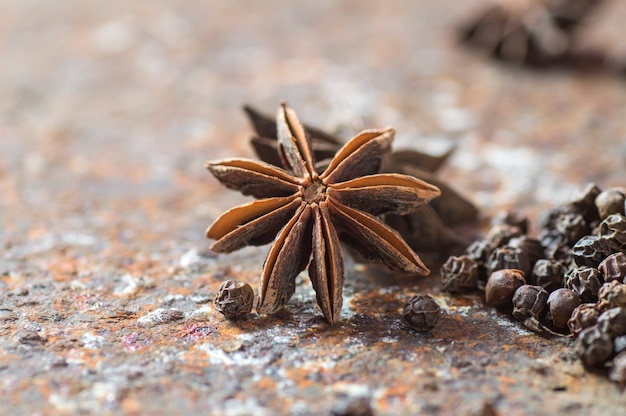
108 111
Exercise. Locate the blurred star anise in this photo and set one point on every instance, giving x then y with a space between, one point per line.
307 214
427 228
534 32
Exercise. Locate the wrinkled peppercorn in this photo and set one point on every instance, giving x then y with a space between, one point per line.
610 202
583 316
585 282
548 274
234 299
584 202
591 250
618 370
479 251
561 304
614 267
501 286
508 258
612 295
421 313
560 252
500 234
613 322
531 247
593 346
572 226
530 302
613 228
459 274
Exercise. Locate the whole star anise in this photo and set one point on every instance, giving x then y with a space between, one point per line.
307 214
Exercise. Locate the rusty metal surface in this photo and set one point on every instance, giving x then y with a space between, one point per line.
108 112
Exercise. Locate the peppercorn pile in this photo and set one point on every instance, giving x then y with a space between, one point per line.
569 280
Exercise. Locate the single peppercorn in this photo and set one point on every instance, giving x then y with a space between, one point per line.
593 346
531 247
613 322
508 258
234 299
572 226
530 302
591 250
612 295
583 316
561 304
618 370
421 313
548 274
500 234
614 267
501 286
613 228
585 282
479 251
584 202
610 202
459 274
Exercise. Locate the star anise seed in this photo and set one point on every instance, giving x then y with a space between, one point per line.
306 213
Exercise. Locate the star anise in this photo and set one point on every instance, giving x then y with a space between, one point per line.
307 214
426 229
533 32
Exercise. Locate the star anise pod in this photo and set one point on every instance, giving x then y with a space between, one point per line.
307 214
533 32
426 229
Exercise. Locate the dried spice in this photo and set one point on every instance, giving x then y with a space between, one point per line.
591 250
548 274
459 274
421 313
234 299
610 202
594 347
613 228
585 282
530 302
618 370
501 286
306 213
424 229
508 258
499 235
531 248
614 267
533 32
561 304
613 322
511 218
572 226
583 316
612 295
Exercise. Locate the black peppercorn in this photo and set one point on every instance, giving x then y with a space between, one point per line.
508 258
500 234
614 267
593 346
584 202
234 299
459 274
585 282
572 226
613 322
583 316
618 370
561 304
501 286
612 295
591 250
619 344
548 274
610 202
613 228
531 247
421 313
530 302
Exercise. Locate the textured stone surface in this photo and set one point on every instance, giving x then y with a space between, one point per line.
108 112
